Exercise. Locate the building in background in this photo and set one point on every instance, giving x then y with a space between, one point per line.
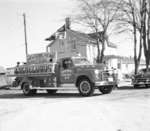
124 65
66 42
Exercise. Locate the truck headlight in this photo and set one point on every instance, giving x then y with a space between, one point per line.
97 73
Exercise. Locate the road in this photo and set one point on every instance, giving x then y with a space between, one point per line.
125 109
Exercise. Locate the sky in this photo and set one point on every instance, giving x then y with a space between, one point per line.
43 18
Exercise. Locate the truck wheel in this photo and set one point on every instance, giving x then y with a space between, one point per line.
26 89
51 91
85 87
105 89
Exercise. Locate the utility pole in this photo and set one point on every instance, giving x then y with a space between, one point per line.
25 34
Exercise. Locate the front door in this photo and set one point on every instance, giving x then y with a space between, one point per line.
67 71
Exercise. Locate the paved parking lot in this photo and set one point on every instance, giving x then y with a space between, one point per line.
125 109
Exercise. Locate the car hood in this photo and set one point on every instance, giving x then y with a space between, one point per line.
96 66
142 75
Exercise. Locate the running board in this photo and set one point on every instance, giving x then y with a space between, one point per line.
54 88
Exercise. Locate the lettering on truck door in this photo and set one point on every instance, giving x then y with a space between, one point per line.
67 71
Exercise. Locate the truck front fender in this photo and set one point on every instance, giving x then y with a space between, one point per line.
25 80
84 76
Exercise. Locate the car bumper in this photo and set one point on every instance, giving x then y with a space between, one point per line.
141 83
104 83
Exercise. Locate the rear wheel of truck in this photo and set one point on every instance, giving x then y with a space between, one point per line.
26 89
51 91
85 87
105 89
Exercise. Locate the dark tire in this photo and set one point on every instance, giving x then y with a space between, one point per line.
135 86
33 92
51 91
26 89
147 86
85 87
115 87
105 89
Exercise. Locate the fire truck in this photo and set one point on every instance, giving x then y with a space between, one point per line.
64 73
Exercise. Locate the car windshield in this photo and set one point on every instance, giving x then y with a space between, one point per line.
143 70
81 61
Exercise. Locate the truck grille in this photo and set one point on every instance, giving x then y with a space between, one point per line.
104 76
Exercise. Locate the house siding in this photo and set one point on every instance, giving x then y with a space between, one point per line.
64 47
76 43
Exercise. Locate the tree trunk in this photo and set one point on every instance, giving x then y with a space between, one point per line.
98 52
102 52
140 51
148 33
135 50
135 40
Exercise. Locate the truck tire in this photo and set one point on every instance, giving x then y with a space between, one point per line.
26 89
106 89
85 87
51 91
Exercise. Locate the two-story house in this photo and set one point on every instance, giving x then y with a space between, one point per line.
67 42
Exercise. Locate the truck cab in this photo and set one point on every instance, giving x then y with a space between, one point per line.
77 72
85 76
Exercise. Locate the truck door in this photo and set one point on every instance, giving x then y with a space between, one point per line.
67 71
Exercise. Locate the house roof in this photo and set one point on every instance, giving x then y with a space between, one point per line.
82 36
53 36
91 37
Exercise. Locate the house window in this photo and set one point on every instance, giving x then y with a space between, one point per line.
119 65
73 44
61 45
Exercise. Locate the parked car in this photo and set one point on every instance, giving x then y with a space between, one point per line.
142 79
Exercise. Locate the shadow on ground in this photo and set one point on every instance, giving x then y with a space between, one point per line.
19 95
131 88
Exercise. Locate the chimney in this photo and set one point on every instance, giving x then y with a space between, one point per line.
67 23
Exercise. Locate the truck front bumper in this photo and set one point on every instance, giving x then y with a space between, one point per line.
105 83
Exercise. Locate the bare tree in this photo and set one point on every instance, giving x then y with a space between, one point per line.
99 16
131 20
145 14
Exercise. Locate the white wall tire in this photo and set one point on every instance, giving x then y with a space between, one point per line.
85 87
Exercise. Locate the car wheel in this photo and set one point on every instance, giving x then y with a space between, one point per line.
147 86
135 86
51 91
85 87
105 89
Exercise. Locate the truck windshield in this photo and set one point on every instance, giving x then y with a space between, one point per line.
81 61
